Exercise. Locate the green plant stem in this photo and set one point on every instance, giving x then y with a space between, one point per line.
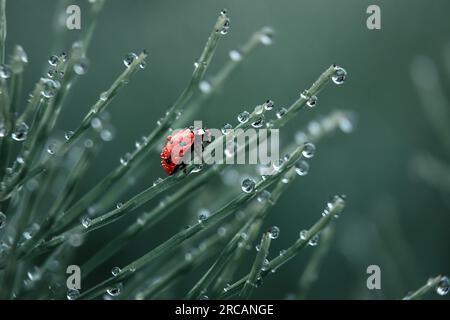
200 287
431 284
310 274
145 221
292 251
140 154
2 30
219 80
95 110
170 276
257 268
182 236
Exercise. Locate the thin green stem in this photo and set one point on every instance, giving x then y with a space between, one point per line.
432 284
257 268
336 209
2 30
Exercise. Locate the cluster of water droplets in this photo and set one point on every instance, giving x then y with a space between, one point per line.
49 87
130 58
314 241
226 24
335 202
311 100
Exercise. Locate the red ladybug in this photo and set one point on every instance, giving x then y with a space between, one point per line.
177 147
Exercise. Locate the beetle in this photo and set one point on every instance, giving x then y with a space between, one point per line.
179 145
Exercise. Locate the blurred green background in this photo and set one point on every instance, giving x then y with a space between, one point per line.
393 219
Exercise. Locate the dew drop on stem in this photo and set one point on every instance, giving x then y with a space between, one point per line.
248 185
243 116
274 232
20 132
308 150
129 59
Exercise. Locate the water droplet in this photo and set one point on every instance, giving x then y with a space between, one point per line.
188 256
204 297
31 231
235 55
203 215
68 135
443 287
125 159
305 95
3 131
119 205
76 240
51 149
226 26
72 294
308 150
244 236
263 196
281 112
340 75
20 132
197 168
314 128
257 248
227 287
312 102
346 124
258 123
277 164
267 36
53 60
243 116
303 234
205 86
2 220
129 58
86 222
50 87
5 71
21 54
104 96
115 271
142 65
221 231
248 185
106 135
81 66
259 109
226 129
268 105
274 232
157 181
314 241
301 168
115 290
282 252
140 143
265 265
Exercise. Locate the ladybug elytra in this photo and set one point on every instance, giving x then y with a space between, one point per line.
177 146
